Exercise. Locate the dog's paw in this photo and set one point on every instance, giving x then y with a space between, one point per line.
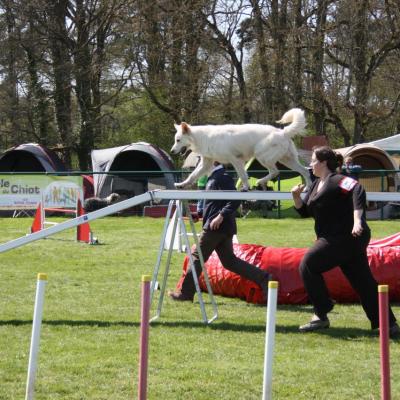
261 185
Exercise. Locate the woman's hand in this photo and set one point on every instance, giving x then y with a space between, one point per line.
357 229
296 191
357 226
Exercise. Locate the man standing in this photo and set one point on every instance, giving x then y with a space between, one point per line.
219 227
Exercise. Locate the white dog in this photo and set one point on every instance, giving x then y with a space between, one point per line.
236 144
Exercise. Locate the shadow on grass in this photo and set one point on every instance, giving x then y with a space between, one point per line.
340 333
73 241
233 303
66 322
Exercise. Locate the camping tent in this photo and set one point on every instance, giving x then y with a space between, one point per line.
372 157
142 167
30 157
390 144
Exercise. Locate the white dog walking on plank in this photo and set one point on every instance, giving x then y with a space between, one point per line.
236 144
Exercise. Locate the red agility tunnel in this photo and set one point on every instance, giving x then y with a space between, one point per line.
283 264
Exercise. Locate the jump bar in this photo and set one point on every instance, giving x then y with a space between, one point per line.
251 195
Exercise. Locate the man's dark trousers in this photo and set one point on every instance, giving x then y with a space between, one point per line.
222 243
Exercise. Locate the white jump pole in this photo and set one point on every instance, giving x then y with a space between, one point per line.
144 337
35 339
269 339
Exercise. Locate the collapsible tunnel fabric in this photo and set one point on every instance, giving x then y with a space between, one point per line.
133 157
283 264
30 157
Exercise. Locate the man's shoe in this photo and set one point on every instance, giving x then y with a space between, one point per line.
179 296
315 324
394 331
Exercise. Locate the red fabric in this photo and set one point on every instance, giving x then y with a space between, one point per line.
283 264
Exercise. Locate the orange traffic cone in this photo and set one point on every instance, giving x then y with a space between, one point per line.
37 221
83 233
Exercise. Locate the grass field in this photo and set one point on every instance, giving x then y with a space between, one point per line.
90 334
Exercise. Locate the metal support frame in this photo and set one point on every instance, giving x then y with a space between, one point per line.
182 208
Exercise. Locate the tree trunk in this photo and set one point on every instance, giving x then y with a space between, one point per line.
83 77
318 92
37 94
297 55
278 22
11 81
230 50
263 61
61 63
360 68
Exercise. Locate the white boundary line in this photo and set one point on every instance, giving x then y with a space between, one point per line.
170 195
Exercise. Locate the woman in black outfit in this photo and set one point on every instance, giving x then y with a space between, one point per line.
337 204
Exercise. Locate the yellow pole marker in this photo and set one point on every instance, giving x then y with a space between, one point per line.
146 278
273 285
383 288
42 277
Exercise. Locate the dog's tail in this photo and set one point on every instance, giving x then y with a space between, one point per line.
295 117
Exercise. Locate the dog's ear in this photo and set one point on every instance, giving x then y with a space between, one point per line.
185 128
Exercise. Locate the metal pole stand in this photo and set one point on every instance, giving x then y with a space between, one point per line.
181 208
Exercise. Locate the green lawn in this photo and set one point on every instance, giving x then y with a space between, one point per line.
90 334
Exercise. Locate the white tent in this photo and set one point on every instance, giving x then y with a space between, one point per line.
390 144
151 169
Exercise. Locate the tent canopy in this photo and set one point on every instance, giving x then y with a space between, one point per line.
30 157
390 144
133 157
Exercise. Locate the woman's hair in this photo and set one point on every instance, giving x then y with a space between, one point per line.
325 153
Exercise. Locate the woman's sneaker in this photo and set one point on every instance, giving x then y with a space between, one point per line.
315 324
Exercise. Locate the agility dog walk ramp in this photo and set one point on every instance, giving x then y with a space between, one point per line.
159 195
